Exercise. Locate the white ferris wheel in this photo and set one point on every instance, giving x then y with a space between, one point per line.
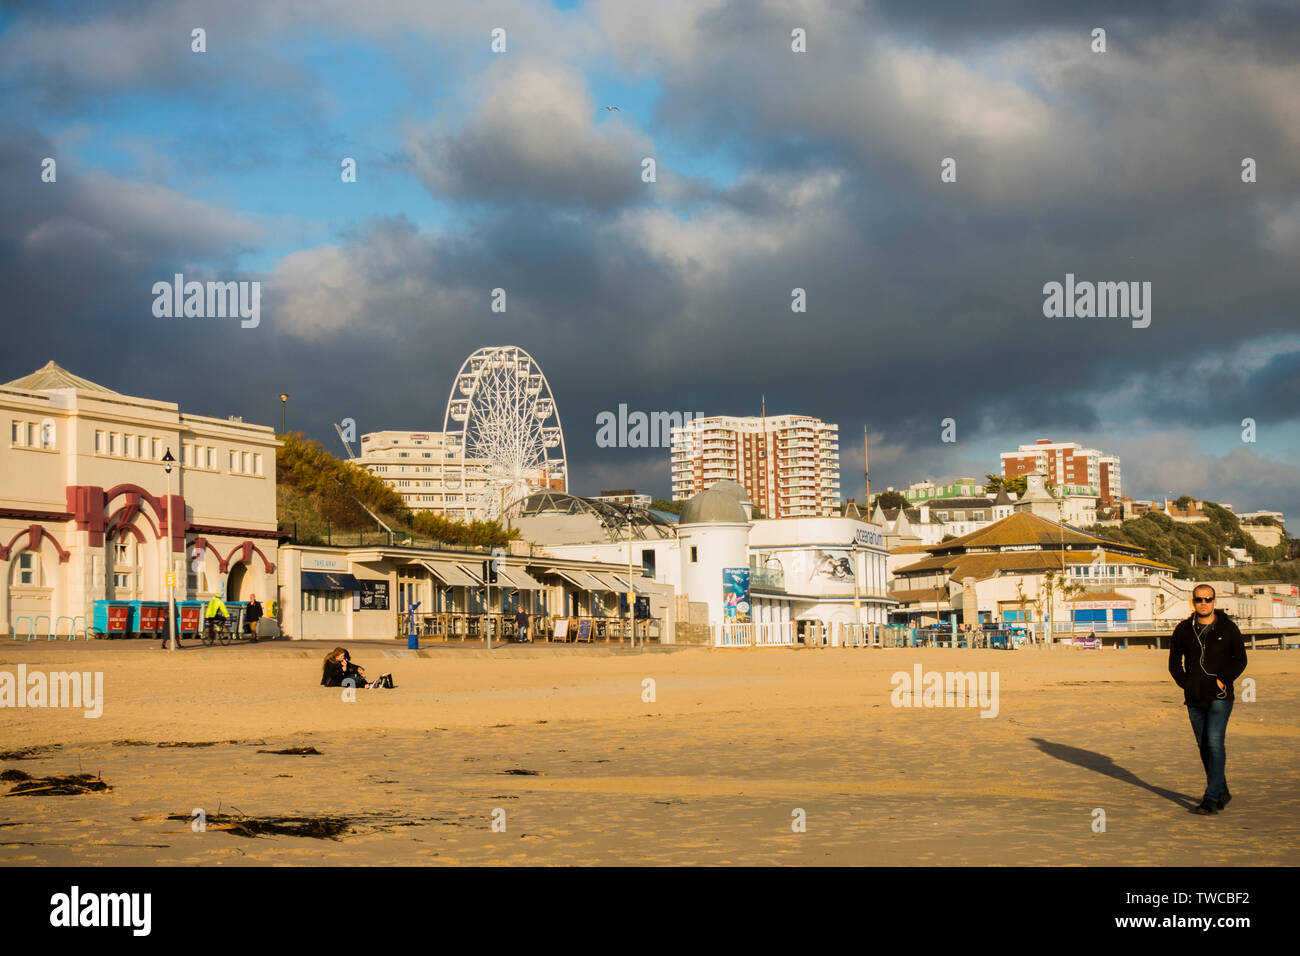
502 435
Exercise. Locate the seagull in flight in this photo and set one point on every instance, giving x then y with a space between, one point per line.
612 108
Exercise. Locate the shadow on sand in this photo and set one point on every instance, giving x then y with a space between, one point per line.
1091 760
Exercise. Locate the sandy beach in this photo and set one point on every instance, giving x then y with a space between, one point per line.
712 771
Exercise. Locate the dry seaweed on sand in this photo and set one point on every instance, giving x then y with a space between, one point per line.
525 773
54 786
295 752
29 753
318 828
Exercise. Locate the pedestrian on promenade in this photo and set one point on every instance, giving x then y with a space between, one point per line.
1206 655
252 615
521 624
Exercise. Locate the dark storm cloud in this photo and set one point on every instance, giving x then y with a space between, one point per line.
1271 29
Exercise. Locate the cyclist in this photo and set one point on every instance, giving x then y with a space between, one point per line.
216 613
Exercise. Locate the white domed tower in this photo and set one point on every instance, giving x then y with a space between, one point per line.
712 533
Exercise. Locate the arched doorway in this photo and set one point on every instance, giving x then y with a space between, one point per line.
237 581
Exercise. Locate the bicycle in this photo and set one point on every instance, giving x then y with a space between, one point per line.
215 629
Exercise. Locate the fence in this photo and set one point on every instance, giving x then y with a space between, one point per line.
808 633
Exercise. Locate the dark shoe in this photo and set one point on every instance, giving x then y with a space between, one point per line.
1206 808
1223 800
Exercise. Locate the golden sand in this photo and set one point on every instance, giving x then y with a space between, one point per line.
711 771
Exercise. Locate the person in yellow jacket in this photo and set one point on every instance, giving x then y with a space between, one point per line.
215 611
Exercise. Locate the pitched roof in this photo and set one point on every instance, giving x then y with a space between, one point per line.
987 564
920 596
52 375
1025 528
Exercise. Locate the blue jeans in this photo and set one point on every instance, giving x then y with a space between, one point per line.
1210 724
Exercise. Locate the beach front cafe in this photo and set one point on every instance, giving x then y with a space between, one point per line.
364 592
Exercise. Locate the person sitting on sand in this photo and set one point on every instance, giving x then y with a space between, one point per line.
339 667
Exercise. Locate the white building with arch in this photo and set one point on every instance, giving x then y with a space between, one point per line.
85 510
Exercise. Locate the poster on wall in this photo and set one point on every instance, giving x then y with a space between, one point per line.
373 596
735 595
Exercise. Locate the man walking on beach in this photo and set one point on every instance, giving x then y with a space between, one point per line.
1206 654
521 625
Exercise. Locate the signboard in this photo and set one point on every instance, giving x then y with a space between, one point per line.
869 538
373 596
735 595
318 563
584 630
171 579
562 629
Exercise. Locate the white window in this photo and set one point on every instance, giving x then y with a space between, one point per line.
26 568
47 435
31 435
234 461
14 428
156 446
127 442
257 464
112 443
243 457
212 455
99 442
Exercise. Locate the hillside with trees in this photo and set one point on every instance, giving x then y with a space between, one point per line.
1204 542
321 499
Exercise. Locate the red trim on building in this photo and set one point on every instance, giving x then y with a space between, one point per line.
58 516
34 534
238 532
247 547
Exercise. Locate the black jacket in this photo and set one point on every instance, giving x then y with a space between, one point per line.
1194 663
335 673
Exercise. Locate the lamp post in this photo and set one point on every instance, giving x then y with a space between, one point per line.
170 574
284 400
631 588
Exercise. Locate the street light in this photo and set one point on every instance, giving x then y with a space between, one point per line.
284 399
631 588
170 578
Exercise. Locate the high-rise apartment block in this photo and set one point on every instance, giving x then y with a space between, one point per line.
789 464
413 465
1067 463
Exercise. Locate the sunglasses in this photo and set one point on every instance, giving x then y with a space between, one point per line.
1203 600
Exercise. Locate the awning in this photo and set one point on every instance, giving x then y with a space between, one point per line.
475 574
449 574
610 582
520 579
579 579
328 581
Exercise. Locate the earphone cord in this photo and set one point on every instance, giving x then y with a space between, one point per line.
1223 694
